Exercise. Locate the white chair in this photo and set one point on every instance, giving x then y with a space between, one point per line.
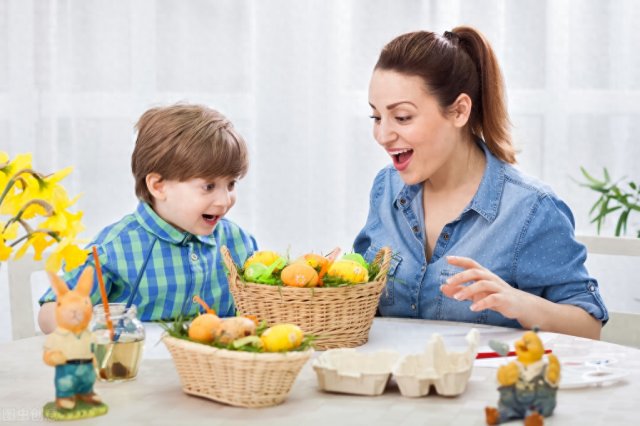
21 296
623 327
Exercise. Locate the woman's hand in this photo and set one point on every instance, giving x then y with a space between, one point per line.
486 291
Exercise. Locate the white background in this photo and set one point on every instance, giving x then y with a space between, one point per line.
293 75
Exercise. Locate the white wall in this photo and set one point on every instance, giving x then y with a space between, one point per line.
292 75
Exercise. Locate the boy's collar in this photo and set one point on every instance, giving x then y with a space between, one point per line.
159 227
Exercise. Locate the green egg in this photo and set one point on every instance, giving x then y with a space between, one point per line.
254 271
356 257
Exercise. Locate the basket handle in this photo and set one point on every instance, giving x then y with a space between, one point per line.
229 263
383 258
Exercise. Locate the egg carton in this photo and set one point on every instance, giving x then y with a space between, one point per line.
448 371
352 372
348 371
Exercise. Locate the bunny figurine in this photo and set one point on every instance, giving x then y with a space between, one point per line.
68 348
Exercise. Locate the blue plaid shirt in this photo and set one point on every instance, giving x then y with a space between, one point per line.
515 226
180 265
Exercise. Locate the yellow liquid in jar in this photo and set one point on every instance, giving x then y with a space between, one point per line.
117 361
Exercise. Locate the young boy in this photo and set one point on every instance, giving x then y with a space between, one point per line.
186 162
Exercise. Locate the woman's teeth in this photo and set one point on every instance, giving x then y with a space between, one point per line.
400 156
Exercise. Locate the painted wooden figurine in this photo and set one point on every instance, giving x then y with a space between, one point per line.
68 349
528 386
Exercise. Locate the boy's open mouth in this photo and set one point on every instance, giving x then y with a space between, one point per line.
210 219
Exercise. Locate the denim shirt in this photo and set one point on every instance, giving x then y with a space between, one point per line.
515 226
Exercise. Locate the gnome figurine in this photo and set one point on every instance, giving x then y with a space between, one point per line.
528 385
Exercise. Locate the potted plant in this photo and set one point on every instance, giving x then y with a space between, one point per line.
620 197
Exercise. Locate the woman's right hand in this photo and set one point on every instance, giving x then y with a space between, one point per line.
484 288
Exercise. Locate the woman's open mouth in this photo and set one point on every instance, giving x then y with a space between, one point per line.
401 158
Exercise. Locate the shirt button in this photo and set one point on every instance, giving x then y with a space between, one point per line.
592 287
194 257
403 201
415 228
423 268
446 237
413 307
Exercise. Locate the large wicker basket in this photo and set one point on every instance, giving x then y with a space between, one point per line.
243 379
340 317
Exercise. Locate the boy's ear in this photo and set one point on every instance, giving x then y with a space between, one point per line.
155 185
460 110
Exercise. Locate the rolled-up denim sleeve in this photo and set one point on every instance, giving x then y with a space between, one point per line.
549 261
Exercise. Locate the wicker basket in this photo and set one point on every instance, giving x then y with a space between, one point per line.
244 379
340 317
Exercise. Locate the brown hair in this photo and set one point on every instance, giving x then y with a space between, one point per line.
460 61
181 142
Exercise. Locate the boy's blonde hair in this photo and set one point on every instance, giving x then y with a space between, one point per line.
183 141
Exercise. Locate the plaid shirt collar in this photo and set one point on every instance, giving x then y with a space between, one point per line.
149 220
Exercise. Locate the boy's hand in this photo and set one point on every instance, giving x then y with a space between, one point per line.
47 317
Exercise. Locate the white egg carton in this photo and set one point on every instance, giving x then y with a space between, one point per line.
348 371
449 372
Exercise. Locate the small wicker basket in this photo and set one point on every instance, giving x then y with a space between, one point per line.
340 317
243 379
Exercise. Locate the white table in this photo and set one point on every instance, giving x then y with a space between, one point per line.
156 398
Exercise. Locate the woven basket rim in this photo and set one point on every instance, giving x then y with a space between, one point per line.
309 289
240 355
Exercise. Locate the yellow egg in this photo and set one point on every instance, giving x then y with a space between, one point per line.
205 328
265 257
281 338
349 270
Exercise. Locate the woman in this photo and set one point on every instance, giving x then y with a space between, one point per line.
474 239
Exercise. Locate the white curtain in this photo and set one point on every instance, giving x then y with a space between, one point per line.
292 75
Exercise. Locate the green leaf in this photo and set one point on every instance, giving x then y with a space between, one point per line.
595 206
591 178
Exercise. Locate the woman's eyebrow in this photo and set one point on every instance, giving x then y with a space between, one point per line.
395 104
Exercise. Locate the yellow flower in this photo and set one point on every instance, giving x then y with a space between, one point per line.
68 252
5 250
21 162
38 206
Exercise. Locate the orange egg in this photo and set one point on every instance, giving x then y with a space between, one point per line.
299 274
205 328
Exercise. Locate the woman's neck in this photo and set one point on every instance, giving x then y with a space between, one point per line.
462 171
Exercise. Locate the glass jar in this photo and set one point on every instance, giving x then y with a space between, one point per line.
117 359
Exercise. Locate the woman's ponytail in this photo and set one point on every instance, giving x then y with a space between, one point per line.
492 119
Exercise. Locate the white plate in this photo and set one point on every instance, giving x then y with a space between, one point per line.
581 378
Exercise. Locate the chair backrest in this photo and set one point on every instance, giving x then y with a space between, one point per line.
21 298
623 327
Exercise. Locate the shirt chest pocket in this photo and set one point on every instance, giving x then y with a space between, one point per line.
387 296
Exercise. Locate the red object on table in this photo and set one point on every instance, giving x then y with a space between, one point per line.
482 355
